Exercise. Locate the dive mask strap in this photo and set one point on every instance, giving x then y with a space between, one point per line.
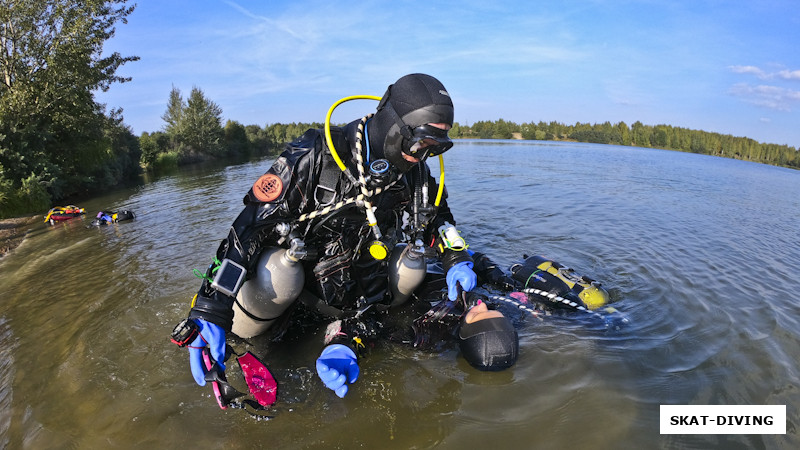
405 130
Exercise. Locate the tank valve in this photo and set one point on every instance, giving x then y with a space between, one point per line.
297 250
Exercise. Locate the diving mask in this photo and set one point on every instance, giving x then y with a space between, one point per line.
428 140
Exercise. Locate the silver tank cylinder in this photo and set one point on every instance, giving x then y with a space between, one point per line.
277 283
407 270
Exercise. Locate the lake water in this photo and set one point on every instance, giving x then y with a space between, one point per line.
700 252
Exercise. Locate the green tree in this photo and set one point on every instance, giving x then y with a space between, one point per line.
203 119
504 130
52 131
236 138
659 137
257 140
640 135
624 133
152 145
194 125
173 116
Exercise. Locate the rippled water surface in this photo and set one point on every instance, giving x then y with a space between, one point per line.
700 252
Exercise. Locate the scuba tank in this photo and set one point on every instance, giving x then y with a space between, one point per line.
407 270
278 281
546 275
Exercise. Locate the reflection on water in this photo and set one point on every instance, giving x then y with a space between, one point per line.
698 251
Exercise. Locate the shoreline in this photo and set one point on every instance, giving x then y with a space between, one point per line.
13 232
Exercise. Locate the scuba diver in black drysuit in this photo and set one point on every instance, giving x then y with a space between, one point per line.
341 225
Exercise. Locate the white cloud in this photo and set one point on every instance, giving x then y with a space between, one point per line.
764 75
772 97
752 70
789 74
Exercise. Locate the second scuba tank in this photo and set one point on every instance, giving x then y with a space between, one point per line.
540 273
407 270
277 283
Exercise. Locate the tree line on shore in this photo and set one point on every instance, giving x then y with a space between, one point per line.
58 143
193 132
638 135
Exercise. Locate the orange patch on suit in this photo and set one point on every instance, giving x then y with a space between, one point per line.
268 187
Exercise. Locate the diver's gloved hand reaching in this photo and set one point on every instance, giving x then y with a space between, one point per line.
213 336
461 273
337 367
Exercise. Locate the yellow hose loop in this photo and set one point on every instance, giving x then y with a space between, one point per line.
441 182
365 193
328 137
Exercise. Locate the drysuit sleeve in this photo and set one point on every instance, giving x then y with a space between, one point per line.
277 196
252 229
488 272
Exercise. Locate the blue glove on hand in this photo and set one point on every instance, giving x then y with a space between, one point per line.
213 336
337 366
461 273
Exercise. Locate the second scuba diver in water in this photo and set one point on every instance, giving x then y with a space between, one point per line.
340 228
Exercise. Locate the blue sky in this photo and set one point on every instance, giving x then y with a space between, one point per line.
731 67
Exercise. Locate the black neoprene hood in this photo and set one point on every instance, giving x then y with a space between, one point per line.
412 101
419 99
489 344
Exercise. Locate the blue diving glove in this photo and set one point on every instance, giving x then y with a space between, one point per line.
461 273
337 366
212 336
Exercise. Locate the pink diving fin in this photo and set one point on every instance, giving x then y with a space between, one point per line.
213 376
260 381
224 393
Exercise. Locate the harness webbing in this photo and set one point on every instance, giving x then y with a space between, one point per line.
364 197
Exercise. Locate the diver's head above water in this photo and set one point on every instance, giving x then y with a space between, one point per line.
487 339
412 121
